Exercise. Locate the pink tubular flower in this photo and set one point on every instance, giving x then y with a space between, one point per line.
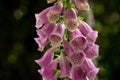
82 4
75 58
78 42
90 69
85 28
54 12
46 58
41 18
77 73
50 1
40 44
64 66
43 34
57 35
91 37
48 72
91 51
71 19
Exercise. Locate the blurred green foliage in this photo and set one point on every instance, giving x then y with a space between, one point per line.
18 49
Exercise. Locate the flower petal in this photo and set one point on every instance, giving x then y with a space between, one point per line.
82 4
64 66
77 73
78 41
46 58
57 35
91 51
41 18
85 28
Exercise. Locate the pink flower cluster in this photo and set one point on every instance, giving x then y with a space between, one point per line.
72 42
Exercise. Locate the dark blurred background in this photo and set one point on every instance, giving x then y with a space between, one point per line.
18 49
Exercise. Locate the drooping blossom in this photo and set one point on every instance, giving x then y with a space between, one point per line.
75 58
77 73
64 66
91 51
85 28
41 18
54 12
56 36
44 34
48 72
90 69
46 58
82 4
78 42
71 19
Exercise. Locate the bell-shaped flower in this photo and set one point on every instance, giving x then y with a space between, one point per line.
41 45
92 36
41 18
71 19
67 47
46 58
85 28
47 29
72 56
90 69
77 58
44 34
91 51
77 73
54 12
56 36
82 4
48 72
64 66
78 42
50 1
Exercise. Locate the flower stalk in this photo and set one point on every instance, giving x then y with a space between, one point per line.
72 40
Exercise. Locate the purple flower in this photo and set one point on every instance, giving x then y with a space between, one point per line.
57 35
77 73
41 18
48 72
91 51
90 69
92 36
44 34
82 4
64 66
54 12
71 19
46 58
85 28
40 44
78 42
